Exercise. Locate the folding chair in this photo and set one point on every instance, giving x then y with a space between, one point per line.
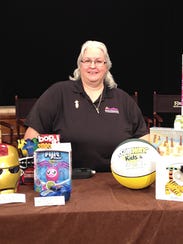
4 126
22 108
165 108
148 120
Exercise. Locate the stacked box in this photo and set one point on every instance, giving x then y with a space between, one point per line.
169 168
26 150
52 170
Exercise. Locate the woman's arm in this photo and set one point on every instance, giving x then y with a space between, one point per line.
146 137
30 133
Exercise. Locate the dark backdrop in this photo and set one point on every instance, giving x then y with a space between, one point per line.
41 43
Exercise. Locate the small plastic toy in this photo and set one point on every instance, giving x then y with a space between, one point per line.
57 191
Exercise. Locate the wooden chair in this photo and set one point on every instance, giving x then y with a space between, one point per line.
165 108
4 126
22 108
148 120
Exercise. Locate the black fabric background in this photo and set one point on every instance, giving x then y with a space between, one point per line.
41 41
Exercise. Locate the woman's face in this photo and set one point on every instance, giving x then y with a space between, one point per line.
93 66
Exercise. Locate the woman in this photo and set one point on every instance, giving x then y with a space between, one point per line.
88 110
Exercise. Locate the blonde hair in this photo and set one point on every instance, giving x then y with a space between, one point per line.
108 78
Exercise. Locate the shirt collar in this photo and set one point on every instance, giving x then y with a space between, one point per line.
78 88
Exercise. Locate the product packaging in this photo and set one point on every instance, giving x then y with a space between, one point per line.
169 167
53 170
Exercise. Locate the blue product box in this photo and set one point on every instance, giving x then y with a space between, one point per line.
53 171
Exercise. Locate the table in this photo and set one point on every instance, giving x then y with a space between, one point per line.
100 210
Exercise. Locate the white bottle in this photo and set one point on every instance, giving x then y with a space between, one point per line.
178 122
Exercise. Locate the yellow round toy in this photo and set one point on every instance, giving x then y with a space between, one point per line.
133 163
9 169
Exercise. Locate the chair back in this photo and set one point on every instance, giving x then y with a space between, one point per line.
165 104
23 106
22 109
147 119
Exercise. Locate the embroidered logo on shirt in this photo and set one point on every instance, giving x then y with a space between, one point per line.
111 110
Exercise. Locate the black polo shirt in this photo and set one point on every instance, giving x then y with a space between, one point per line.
65 109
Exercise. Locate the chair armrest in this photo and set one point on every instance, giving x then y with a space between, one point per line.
157 119
10 127
6 124
21 123
148 120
